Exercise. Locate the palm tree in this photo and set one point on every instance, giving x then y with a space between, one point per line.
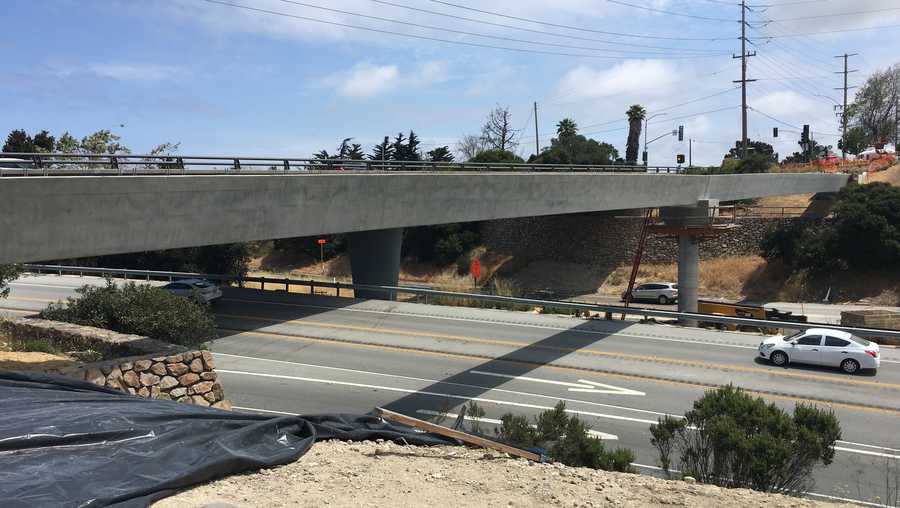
566 128
636 115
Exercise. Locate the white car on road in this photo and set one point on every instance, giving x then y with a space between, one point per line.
204 289
822 346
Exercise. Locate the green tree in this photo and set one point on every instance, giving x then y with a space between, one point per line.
497 156
103 142
8 273
137 309
636 115
566 128
856 141
440 154
874 106
398 146
754 163
383 151
44 142
567 439
569 147
67 143
753 148
408 151
355 152
733 440
19 141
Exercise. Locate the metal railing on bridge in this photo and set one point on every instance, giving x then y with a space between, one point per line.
72 164
434 294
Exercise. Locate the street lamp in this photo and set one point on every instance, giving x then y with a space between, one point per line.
646 123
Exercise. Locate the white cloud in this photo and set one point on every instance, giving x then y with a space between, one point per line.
785 104
638 77
367 80
134 72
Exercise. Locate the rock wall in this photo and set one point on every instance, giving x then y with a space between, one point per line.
133 363
609 239
188 377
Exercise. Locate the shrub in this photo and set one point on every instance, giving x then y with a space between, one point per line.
8 273
731 439
566 438
137 309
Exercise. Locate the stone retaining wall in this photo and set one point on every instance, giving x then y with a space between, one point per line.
602 239
135 364
188 377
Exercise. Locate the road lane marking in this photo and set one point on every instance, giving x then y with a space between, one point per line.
436 381
573 387
28 299
866 452
494 421
869 446
619 375
494 323
605 354
435 394
30 284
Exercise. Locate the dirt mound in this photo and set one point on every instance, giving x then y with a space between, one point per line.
890 175
383 474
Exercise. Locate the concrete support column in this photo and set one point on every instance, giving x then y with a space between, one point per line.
375 259
688 275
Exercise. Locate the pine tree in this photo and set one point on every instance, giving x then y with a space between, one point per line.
383 151
440 154
19 141
399 147
412 148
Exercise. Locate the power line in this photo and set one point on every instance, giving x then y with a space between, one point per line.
667 108
829 32
420 37
670 13
462 32
570 27
836 14
532 30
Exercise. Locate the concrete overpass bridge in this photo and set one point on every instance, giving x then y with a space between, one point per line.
105 210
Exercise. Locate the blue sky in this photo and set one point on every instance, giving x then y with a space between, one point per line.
224 80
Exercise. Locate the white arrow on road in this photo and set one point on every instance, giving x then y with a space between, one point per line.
494 421
583 385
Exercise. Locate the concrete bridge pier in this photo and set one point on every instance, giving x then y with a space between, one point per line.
375 260
689 224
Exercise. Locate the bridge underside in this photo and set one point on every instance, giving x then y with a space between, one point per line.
55 217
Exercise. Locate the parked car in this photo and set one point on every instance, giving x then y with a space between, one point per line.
188 288
822 346
660 292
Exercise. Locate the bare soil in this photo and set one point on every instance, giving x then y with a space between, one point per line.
890 175
31 361
370 474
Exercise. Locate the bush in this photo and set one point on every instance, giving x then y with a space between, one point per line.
864 233
566 438
754 163
731 439
137 309
8 273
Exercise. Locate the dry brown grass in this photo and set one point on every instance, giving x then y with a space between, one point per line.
890 176
795 200
724 277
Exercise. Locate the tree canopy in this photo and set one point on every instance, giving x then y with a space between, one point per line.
874 106
569 147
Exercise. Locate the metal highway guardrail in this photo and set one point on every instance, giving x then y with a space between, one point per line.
392 291
61 164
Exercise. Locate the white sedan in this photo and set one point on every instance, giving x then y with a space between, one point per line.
204 289
822 346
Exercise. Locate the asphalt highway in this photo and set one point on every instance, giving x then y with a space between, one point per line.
290 353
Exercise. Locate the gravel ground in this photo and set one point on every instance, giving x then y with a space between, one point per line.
370 474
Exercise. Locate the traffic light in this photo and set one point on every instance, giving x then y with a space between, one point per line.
680 158
681 133
804 137
774 132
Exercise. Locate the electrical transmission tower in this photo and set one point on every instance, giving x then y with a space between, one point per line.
843 108
743 81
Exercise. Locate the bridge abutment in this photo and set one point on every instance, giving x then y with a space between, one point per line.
375 260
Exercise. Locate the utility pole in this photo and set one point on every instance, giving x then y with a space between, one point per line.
743 81
845 56
537 145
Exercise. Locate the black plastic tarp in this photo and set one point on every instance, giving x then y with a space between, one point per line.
71 443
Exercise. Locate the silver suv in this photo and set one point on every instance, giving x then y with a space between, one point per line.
659 292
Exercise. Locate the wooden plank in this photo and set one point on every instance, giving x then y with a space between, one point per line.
462 436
